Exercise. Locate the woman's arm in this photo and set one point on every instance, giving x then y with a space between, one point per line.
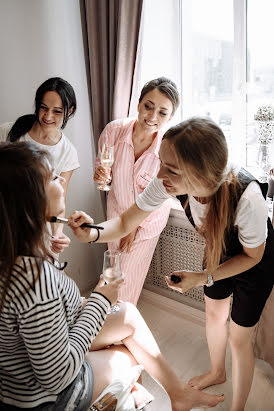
60 241
235 265
56 346
114 229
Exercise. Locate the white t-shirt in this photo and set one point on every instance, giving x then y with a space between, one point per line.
251 211
64 154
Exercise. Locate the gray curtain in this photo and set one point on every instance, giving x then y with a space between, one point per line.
111 28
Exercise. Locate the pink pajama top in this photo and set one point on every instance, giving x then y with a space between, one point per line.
130 177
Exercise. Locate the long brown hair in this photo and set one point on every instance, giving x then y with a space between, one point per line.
202 153
23 171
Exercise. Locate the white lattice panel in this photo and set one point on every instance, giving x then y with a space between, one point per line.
178 248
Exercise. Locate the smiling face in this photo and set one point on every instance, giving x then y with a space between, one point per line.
155 110
51 113
179 177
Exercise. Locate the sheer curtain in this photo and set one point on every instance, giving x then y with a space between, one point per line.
112 29
159 48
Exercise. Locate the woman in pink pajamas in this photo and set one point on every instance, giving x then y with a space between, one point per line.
136 162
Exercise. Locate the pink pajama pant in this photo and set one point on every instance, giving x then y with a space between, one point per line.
134 266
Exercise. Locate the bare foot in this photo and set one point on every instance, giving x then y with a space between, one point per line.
186 398
206 380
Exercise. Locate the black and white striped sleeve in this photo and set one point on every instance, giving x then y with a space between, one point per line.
56 349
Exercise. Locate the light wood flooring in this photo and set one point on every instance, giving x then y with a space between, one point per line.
180 333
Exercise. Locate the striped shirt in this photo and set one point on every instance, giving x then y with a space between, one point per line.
44 333
130 177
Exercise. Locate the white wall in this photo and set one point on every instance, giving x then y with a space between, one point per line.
40 39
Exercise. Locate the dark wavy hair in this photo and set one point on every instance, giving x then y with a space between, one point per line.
24 169
165 86
24 123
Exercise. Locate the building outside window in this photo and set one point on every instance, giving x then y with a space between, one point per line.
219 53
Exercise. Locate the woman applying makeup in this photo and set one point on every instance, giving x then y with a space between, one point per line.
55 352
227 206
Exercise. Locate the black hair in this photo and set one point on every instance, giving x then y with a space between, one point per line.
24 123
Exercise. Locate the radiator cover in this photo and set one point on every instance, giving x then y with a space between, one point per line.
179 247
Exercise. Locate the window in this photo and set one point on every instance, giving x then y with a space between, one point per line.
220 56
260 66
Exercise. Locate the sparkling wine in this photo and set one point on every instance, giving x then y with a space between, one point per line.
111 274
106 163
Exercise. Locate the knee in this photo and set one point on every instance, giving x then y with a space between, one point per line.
216 315
239 341
132 314
131 310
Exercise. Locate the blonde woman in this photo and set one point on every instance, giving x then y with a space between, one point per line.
229 209
55 352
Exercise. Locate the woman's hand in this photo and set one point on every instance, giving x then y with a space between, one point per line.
126 242
109 290
189 279
75 220
59 242
102 175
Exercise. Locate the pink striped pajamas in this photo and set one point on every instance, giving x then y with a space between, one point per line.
129 179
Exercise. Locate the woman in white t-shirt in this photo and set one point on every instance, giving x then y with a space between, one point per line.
228 208
55 104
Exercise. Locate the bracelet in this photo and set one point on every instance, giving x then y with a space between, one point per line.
98 236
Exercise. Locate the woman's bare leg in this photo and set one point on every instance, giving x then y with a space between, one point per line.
242 364
108 365
217 312
128 326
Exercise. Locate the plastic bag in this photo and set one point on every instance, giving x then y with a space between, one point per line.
121 390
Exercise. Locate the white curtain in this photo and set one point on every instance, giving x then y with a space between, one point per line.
159 41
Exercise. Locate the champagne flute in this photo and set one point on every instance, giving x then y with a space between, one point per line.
112 270
107 158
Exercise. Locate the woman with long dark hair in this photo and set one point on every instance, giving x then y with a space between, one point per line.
55 103
55 352
228 208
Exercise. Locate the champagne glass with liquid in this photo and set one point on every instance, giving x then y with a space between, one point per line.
112 270
107 158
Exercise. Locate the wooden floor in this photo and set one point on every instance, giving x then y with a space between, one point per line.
180 334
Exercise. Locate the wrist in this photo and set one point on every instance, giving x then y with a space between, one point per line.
203 278
209 281
94 235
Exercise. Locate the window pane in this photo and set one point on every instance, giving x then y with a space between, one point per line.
260 65
207 52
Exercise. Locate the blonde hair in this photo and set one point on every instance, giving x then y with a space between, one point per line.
202 155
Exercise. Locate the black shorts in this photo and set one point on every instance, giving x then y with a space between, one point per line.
250 291
77 396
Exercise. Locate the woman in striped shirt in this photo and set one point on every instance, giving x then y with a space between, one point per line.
136 162
50 345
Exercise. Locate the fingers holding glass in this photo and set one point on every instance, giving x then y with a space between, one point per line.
107 159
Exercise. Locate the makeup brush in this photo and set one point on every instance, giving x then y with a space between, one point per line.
65 221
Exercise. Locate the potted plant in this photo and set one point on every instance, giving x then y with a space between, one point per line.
264 118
